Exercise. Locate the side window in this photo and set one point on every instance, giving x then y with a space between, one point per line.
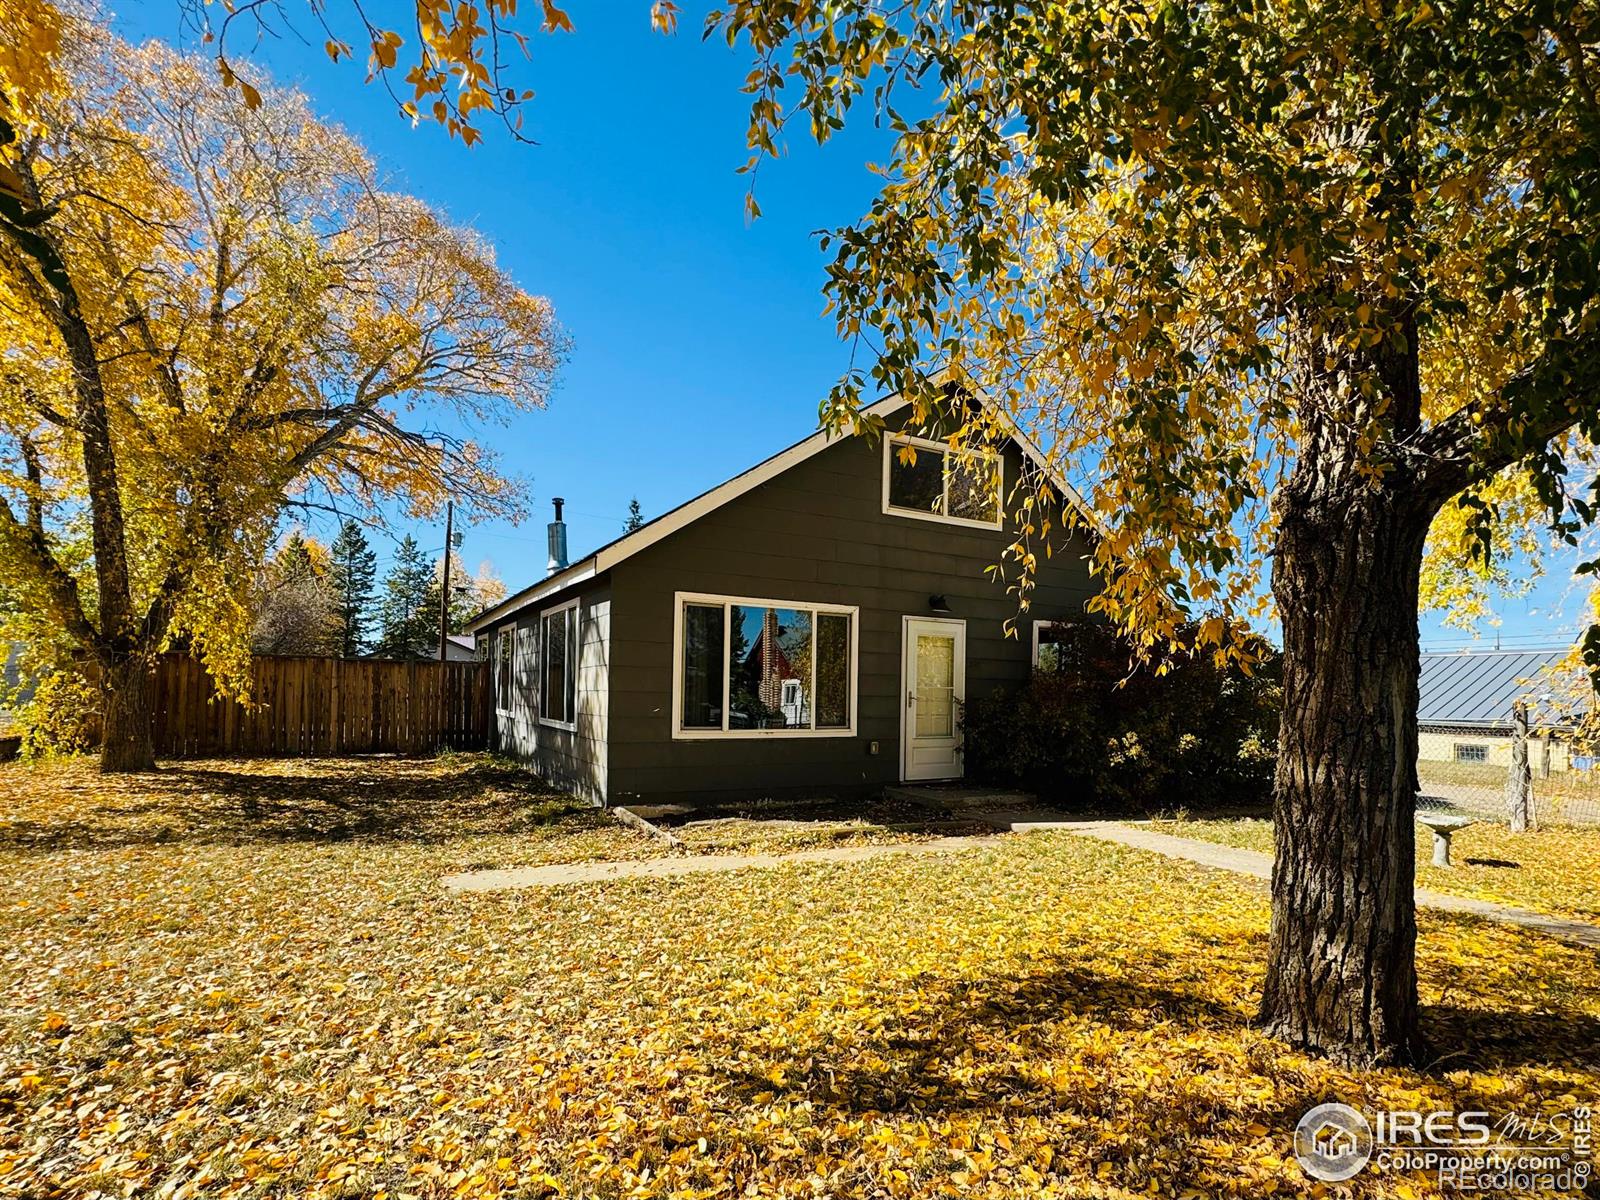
502 669
558 676
1050 647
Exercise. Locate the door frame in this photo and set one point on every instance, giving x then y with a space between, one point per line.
959 676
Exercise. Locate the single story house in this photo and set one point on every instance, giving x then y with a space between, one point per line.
811 626
1465 701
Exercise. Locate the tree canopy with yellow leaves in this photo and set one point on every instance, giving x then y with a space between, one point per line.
1278 284
212 309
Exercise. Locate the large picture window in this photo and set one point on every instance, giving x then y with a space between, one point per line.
928 480
558 666
763 667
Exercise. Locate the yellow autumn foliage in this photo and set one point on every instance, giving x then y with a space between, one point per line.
30 43
249 321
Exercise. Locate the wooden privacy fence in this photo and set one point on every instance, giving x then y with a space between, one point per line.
322 706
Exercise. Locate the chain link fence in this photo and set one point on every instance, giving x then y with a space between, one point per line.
1472 769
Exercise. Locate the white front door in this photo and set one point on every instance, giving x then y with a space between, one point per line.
933 676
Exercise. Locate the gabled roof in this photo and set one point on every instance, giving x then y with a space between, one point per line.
1479 687
651 532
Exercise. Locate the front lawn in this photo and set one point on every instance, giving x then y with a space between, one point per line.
1551 870
244 979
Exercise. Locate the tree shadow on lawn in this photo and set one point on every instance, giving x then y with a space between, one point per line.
1481 1040
419 801
1065 1054
1091 1062
923 1064
914 1064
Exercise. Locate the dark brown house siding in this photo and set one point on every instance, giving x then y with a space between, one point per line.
816 534
572 759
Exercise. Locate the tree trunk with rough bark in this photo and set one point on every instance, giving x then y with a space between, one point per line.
1519 779
128 722
1341 976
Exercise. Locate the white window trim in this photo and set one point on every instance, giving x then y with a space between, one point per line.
502 703
1038 628
574 659
681 600
892 441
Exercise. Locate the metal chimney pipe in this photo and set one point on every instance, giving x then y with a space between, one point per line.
558 541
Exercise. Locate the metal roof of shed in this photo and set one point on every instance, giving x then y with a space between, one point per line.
1479 687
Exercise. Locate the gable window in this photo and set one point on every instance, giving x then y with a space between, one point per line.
502 670
558 661
1468 753
928 480
744 667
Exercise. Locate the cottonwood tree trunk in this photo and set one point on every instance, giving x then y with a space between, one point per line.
128 721
1519 779
1341 976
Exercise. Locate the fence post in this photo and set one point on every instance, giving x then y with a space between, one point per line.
1519 780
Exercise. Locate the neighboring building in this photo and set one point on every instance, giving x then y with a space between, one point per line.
14 693
812 625
460 647
11 672
1465 701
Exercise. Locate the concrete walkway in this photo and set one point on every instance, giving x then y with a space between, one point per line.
656 868
1207 854
1253 862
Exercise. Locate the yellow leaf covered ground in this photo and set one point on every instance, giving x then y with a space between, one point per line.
253 1004
1553 870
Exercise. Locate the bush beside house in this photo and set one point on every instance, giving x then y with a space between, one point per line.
1089 730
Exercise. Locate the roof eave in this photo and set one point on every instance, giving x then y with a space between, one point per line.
579 572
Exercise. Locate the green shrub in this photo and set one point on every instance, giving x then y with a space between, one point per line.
1096 732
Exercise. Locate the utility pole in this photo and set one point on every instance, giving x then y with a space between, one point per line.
444 582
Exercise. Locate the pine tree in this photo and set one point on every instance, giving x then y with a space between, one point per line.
635 516
406 626
352 571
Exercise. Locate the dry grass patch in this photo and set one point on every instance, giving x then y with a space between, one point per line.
1552 870
778 827
215 1014
464 809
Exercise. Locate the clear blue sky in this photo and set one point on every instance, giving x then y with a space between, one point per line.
699 345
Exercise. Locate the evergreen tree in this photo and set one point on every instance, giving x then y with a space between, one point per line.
635 516
352 571
407 627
